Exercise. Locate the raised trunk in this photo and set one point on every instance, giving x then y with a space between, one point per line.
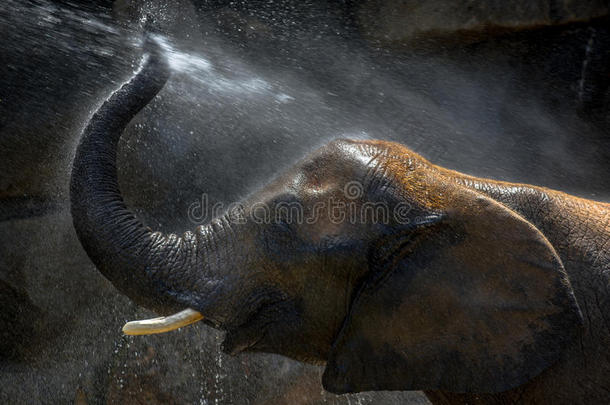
155 270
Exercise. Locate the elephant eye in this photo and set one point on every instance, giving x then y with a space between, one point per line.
280 240
287 212
283 225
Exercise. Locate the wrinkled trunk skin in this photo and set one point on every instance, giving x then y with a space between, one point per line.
155 270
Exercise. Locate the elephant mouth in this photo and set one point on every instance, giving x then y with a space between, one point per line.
244 335
237 341
249 334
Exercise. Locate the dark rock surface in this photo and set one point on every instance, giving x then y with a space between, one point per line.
406 21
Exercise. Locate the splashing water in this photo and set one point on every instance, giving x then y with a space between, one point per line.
242 83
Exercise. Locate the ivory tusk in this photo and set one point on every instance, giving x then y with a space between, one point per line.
162 324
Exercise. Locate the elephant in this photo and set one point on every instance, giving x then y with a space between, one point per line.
470 289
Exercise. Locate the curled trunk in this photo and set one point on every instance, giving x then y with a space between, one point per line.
153 269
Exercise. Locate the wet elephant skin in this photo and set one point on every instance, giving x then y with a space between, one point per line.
474 290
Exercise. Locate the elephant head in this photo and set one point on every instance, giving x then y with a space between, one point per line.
364 257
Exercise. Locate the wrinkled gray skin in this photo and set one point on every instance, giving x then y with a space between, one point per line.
479 291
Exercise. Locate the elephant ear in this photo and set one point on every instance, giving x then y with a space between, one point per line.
477 301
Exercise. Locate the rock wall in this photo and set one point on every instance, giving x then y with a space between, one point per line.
412 20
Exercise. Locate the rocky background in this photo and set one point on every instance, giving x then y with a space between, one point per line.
514 90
